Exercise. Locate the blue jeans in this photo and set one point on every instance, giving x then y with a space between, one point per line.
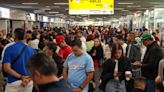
114 86
150 85
106 39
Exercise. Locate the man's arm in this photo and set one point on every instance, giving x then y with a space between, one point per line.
7 68
65 73
89 77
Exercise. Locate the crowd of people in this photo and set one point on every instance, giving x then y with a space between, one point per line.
73 60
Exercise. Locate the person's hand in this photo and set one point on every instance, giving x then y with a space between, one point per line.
2 46
116 75
77 89
93 54
158 79
137 64
25 82
25 77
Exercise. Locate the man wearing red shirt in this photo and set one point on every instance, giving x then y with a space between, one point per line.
65 49
106 35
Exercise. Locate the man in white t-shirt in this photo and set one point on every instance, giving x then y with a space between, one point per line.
82 38
123 44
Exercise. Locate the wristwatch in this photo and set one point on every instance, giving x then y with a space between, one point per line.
80 87
20 77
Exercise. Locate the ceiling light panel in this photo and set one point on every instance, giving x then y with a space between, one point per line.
53 12
118 8
125 3
29 3
133 6
61 3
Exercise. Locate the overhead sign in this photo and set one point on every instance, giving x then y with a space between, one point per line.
4 13
91 7
31 16
45 19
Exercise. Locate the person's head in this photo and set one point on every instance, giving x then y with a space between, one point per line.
131 37
119 39
4 32
64 34
60 41
146 39
47 39
159 86
117 51
9 35
123 32
140 82
39 66
29 34
50 48
77 47
19 34
157 30
1 35
34 36
72 35
154 34
96 42
80 34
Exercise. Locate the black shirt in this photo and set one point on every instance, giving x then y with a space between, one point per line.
137 90
3 42
59 86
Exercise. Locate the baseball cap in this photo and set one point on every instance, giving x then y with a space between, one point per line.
144 37
59 39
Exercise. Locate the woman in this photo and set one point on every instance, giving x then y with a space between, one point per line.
124 35
34 42
97 53
113 75
46 39
97 34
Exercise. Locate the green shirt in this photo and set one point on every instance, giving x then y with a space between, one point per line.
89 45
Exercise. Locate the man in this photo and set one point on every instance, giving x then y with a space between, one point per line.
133 52
156 38
9 38
17 73
43 69
78 68
82 38
65 49
3 42
51 48
149 66
139 84
123 44
28 35
67 39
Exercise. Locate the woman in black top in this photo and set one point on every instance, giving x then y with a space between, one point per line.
113 75
97 53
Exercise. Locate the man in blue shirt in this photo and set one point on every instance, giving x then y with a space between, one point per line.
17 73
78 68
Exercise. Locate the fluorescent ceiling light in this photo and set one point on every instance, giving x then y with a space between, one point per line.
125 3
142 8
67 9
61 3
124 10
53 12
160 6
59 14
156 2
30 3
84 15
133 6
118 8
46 9
47 6
51 15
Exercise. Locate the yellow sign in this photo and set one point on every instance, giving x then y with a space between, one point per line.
88 21
91 6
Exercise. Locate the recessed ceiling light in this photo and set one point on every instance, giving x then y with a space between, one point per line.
118 8
156 2
125 3
46 9
30 3
124 10
133 6
61 3
53 12
59 14
67 9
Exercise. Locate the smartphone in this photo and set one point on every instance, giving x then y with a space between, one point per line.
119 73
132 63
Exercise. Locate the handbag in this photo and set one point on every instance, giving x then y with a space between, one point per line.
3 71
101 62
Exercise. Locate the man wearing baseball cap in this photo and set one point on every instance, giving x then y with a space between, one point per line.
65 49
149 66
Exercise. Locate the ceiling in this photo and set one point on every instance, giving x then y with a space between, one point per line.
137 6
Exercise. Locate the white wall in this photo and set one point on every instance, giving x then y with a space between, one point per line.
30 26
36 24
17 24
3 25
